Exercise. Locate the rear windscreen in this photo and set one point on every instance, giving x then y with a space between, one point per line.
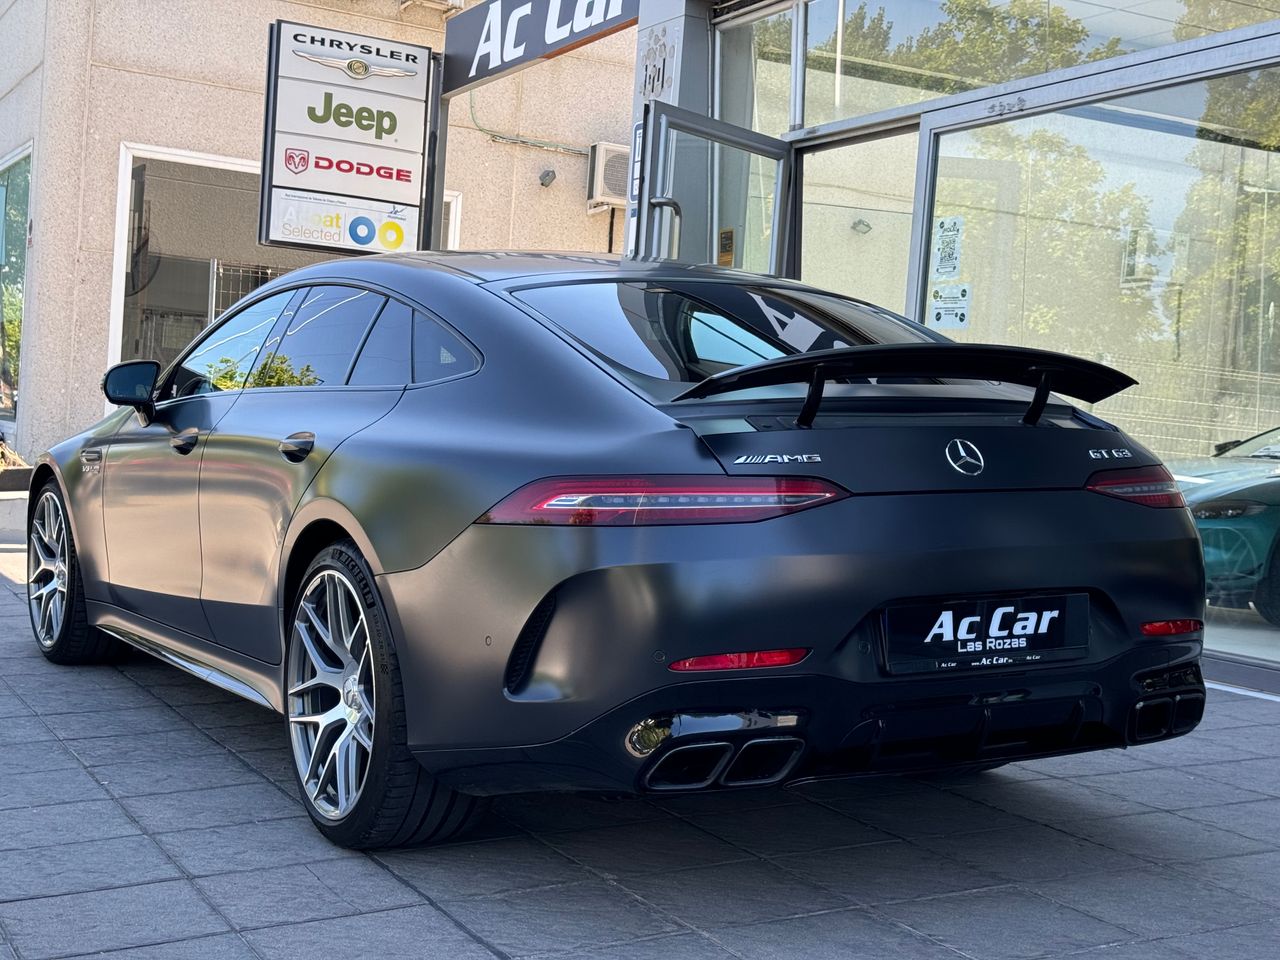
682 333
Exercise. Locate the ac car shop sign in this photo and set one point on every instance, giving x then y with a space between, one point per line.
343 158
500 36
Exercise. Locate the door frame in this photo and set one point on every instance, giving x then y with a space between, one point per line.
658 210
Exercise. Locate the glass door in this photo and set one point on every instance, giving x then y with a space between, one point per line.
713 192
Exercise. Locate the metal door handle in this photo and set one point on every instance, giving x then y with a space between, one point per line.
185 441
677 218
297 446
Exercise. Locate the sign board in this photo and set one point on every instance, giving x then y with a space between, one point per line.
344 152
500 36
948 234
948 307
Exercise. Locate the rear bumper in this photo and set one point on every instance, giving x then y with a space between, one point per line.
826 727
597 615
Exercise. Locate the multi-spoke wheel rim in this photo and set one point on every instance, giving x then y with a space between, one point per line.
47 559
331 694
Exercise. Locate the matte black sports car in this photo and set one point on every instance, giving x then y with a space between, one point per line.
480 523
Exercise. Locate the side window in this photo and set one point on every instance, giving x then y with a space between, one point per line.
223 358
321 341
719 340
437 352
386 358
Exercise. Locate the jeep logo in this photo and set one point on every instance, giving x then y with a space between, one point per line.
381 122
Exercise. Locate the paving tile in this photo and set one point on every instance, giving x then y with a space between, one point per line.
317 891
35 757
235 713
23 728
1005 924
1165 837
1197 748
131 747
250 846
84 698
1253 875
477 869
846 935
859 788
726 801
1257 941
572 917
1166 789
1053 800
541 813
12 706
1155 902
1257 739
106 723
777 831
27 827
48 786
77 867
942 814
413 933
1030 853
195 691
731 893
880 872
1092 763
1259 820
250 736
688 946
275 764
1262 776
172 774
216 807
108 919
226 946
661 845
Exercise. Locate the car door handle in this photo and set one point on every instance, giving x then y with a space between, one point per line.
297 446
185 441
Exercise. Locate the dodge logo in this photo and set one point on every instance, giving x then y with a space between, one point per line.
295 160
965 457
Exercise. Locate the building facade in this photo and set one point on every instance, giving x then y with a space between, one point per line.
130 150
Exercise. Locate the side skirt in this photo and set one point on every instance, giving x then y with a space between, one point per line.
257 683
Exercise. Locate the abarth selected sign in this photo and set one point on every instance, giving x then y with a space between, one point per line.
497 37
344 152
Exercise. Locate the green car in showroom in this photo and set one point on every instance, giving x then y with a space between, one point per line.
1235 498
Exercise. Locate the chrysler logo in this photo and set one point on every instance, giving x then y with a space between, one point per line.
965 457
356 68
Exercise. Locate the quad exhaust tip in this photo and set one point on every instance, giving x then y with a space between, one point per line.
695 766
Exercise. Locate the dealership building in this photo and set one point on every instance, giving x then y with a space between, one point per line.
1092 177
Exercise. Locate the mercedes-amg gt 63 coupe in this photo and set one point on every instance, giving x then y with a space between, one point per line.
487 523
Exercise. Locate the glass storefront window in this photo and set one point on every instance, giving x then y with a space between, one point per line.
862 57
856 206
193 252
15 180
1144 232
755 77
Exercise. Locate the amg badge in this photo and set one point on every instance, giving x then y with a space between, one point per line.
780 458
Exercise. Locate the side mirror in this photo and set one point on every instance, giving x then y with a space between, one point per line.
133 384
1220 448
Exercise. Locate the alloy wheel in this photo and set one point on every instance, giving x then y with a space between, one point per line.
48 552
331 694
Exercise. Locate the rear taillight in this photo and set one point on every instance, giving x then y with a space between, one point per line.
751 660
641 501
1149 486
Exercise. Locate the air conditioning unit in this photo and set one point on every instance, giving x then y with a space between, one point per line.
608 176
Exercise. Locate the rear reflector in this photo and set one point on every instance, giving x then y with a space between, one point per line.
641 501
1170 628
752 660
1149 486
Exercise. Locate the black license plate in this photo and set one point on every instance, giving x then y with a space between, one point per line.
985 634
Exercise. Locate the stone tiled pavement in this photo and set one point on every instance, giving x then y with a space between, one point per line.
146 813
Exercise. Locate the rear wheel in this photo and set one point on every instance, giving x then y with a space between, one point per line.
55 591
346 716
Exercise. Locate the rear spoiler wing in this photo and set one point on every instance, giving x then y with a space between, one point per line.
1045 370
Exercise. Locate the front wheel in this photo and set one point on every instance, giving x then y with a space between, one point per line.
55 590
345 706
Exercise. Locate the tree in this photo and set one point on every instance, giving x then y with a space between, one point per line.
13 221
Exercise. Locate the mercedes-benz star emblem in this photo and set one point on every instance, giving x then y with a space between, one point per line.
965 457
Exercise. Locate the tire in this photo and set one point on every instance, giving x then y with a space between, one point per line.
55 588
1266 596
396 802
